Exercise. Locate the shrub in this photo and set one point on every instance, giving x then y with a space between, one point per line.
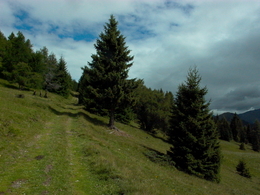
242 146
20 96
242 169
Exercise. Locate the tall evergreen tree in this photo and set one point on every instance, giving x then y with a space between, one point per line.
255 136
18 50
38 70
194 137
3 47
83 82
105 82
224 129
51 64
237 128
63 78
21 74
74 85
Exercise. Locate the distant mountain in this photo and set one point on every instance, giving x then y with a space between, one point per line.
227 115
248 117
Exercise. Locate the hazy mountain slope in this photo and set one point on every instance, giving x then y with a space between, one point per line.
247 117
250 116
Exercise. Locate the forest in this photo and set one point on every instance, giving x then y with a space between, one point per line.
39 70
104 89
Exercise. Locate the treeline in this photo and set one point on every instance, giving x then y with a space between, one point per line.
20 64
237 131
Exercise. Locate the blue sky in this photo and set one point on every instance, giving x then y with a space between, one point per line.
166 38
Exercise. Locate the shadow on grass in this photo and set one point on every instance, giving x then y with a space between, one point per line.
10 86
75 107
158 157
94 121
74 94
158 137
14 86
151 133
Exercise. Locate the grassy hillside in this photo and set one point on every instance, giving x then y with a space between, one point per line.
53 146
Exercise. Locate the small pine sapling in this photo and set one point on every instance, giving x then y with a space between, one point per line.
242 169
242 146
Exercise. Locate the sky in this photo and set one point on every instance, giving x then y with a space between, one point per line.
166 37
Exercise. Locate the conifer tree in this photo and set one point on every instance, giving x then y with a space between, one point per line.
63 78
21 74
242 169
255 138
3 47
194 137
237 128
105 80
224 129
249 130
38 70
19 50
83 82
51 64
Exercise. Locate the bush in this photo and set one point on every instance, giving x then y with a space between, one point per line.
20 96
242 146
242 169
159 158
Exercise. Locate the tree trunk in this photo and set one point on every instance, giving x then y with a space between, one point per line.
112 119
46 94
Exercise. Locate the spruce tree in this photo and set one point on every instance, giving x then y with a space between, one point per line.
242 169
255 136
3 47
63 78
237 128
51 66
21 74
193 135
224 129
19 50
105 81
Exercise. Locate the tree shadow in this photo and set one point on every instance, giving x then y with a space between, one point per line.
158 157
152 133
92 120
14 86
10 86
74 94
134 127
158 137
75 107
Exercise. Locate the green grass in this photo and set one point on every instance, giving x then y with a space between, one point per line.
51 146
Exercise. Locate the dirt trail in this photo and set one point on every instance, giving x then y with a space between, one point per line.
46 163
58 146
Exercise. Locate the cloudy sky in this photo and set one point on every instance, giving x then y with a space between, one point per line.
167 37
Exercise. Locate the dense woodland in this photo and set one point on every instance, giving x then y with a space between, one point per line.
105 89
39 70
237 131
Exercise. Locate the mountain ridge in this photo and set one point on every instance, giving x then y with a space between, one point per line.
248 117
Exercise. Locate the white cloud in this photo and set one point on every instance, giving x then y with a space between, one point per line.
166 38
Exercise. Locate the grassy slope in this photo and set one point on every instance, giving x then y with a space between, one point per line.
52 146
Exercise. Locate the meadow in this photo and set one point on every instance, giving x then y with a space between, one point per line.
53 146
